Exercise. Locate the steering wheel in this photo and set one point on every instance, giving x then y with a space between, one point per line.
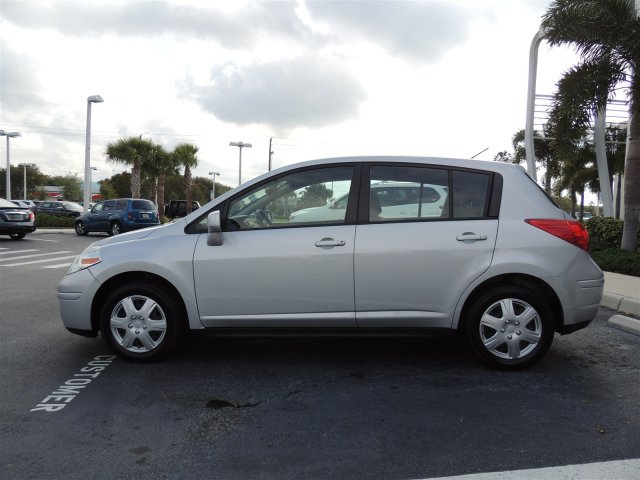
263 218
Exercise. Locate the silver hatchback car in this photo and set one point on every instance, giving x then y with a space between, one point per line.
499 262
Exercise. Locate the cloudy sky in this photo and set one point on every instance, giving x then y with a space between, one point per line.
322 78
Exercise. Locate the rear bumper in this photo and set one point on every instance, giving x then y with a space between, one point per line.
580 300
128 226
8 229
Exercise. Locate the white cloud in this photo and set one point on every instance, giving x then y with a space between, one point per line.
299 93
332 78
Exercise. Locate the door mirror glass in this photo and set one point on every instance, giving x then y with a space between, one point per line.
214 229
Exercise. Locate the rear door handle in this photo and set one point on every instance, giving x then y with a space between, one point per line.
471 237
330 242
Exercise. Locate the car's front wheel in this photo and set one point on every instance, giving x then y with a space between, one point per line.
141 322
81 228
510 327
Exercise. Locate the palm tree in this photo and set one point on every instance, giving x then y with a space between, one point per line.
544 153
185 155
165 164
606 34
132 152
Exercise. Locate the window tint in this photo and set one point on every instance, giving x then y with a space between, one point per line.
121 204
470 193
301 198
399 193
142 205
109 205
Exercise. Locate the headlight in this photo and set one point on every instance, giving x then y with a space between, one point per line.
91 256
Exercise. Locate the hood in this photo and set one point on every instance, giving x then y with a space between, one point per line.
137 234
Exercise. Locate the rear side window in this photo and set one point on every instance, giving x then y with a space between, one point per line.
403 193
470 194
142 205
121 204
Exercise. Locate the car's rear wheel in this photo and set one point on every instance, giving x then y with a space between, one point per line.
17 236
141 322
81 228
510 327
115 228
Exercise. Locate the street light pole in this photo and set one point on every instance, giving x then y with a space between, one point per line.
24 188
8 171
213 190
240 146
87 162
91 182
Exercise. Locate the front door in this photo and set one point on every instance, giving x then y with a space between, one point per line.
271 271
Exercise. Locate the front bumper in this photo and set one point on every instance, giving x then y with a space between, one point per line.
76 293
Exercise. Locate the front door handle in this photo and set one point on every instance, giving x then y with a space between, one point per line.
471 237
329 242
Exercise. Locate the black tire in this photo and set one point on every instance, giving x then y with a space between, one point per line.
115 228
509 327
17 236
141 322
80 229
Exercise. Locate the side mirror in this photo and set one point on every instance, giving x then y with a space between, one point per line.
214 230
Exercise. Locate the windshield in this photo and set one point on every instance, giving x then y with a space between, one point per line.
142 205
6 204
72 206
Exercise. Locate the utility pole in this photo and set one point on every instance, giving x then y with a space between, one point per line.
270 152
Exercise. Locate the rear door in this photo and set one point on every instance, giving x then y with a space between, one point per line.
412 264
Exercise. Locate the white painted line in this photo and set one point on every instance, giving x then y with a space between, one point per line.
58 266
43 240
19 251
35 255
37 261
615 470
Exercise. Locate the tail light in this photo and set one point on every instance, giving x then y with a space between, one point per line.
568 230
32 216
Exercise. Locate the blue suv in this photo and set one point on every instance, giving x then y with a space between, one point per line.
118 216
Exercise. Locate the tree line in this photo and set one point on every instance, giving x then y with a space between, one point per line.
155 174
606 36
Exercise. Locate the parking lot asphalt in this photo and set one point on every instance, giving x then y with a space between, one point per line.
289 408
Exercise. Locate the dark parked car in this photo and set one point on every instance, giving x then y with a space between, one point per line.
178 208
118 216
59 209
15 221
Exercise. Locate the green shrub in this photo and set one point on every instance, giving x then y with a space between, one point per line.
605 230
617 261
52 221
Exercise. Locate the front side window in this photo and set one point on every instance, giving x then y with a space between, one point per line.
97 208
404 193
307 197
